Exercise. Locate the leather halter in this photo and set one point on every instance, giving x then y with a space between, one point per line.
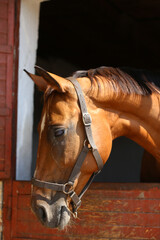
89 145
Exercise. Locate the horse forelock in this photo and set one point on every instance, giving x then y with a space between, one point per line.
48 98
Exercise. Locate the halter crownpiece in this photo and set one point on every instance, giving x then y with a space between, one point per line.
67 188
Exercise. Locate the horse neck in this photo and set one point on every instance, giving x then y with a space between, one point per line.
134 116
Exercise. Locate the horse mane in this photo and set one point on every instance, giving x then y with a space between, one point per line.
140 82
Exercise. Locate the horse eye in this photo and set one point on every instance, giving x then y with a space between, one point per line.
59 132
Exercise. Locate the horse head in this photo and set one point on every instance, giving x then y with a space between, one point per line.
61 139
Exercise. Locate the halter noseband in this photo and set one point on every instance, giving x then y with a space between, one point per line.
67 188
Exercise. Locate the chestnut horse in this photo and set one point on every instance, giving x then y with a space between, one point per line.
121 102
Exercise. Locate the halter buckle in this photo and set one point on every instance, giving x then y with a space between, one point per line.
66 188
87 120
87 144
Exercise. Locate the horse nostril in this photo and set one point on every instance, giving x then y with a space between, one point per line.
42 214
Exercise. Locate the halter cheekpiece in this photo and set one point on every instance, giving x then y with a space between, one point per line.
89 145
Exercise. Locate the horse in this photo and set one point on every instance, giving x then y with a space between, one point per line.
110 102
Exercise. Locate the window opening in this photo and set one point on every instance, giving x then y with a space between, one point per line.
72 38
75 45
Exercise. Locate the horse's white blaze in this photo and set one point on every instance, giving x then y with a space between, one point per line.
43 124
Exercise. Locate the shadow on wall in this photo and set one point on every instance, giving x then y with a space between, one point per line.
124 163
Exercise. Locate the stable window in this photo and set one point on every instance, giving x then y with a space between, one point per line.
102 33
65 46
79 35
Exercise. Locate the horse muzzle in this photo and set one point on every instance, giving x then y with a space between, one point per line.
52 214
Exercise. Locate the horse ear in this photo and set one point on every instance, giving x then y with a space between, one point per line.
58 83
38 80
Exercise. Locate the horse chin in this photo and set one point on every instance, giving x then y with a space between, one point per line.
64 218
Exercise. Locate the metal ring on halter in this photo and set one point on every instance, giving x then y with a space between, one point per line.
85 144
74 215
65 191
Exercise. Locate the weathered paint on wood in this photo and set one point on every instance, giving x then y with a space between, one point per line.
108 211
6 80
1 203
7 209
7 16
118 211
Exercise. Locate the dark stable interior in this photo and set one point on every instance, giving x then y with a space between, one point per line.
84 34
